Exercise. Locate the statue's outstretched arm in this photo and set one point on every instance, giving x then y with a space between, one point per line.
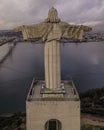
86 28
33 31
73 31
23 29
18 29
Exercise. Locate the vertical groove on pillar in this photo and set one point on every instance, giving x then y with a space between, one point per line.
48 67
54 64
50 64
58 65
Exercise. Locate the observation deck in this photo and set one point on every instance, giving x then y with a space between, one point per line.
67 92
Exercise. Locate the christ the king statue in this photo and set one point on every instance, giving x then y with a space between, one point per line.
51 31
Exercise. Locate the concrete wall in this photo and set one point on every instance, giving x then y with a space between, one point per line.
39 112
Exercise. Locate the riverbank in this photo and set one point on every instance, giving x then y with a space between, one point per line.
13 122
17 121
92 102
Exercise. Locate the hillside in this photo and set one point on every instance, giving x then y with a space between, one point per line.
92 101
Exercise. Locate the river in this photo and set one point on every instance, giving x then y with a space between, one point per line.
84 63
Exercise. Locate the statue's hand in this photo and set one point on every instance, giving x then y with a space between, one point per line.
18 29
86 28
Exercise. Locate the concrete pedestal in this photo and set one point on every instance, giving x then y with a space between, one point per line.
63 112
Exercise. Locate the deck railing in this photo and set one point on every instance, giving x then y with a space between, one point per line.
31 97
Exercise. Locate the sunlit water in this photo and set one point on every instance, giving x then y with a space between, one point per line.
84 63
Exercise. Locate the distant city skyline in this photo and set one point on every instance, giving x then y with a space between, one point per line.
17 12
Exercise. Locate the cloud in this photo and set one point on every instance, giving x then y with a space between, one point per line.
18 12
92 23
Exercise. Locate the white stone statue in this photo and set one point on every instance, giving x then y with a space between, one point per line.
52 30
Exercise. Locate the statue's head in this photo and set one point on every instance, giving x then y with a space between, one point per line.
53 16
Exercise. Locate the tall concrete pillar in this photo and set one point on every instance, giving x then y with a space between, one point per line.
52 64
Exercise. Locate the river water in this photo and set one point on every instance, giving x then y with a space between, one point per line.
84 63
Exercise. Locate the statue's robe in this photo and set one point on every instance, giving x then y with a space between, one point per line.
43 29
51 33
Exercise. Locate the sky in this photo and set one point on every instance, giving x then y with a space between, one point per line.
22 12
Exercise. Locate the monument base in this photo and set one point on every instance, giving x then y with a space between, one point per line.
49 111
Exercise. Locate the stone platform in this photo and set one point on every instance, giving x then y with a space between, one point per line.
42 108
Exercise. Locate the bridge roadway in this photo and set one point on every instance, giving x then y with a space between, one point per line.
7 41
6 48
